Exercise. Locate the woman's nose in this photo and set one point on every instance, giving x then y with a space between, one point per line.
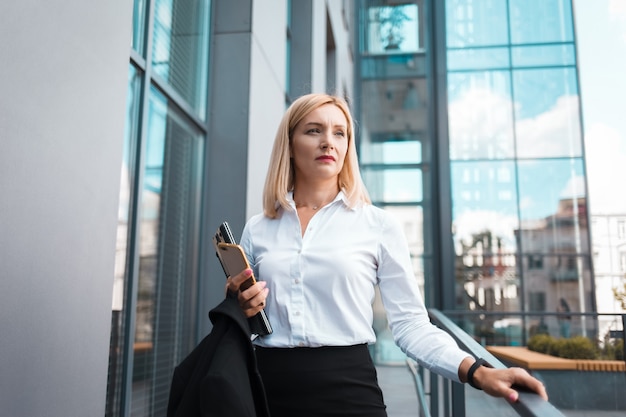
327 142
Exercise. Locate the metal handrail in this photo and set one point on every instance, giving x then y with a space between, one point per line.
472 313
529 404
419 387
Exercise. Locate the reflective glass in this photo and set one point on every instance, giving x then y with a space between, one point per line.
553 206
539 21
550 278
139 26
547 117
180 48
476 23
394 107
484 210
121 272
393 29
484 226
543 55
392 152
393 66
478 58
480 115
168 254
394 185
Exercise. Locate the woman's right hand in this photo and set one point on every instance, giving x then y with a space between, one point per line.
251 300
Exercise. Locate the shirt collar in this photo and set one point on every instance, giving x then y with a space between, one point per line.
341 196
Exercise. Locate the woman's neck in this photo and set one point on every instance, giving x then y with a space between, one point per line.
314 198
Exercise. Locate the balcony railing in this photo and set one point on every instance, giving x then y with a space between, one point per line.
445 398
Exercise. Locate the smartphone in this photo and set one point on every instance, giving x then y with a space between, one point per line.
233 260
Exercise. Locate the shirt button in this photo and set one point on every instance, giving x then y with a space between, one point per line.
297 281
297 313
301 344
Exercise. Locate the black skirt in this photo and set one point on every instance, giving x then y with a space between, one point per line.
318 382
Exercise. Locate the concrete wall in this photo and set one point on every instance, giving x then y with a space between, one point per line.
247 101
62 108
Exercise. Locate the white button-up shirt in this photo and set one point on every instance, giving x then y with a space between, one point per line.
322 285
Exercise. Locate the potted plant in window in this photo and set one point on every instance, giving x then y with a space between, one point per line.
391 20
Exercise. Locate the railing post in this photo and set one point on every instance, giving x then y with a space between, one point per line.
624 336
458 400
434 394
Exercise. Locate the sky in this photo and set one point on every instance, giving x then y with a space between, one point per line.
601 36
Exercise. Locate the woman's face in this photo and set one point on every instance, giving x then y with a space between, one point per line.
319 144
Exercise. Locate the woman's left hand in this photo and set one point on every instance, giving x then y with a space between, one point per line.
252 299
500 382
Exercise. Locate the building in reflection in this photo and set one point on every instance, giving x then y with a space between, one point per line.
472 122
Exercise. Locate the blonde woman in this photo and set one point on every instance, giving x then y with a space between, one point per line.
318 250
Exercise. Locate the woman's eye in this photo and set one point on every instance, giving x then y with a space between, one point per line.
340 133
314 130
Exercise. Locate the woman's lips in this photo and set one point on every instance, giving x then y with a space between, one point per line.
325 158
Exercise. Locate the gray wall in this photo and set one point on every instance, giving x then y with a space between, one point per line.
247 101
63 71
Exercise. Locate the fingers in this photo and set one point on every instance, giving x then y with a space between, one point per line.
500 383
233 283
253 299
524 379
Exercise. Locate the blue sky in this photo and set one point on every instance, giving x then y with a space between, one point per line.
601 36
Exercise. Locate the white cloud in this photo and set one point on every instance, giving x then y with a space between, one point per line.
617 10
606 169
481 120
480 124
555 132
617 14
574 188
472 222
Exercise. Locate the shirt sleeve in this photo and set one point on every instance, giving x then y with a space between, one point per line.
408 318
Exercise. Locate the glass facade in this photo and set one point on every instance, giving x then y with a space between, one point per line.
500 163
519 201
396 132
154 323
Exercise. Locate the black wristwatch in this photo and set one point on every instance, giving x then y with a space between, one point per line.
470 374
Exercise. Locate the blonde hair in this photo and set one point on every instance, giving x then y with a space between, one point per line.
281 174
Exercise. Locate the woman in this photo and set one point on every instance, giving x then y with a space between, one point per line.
318 251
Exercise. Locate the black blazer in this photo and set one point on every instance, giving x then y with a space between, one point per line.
220 376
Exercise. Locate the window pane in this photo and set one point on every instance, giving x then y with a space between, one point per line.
480 115
395 107
394 151
393 29
394 185
554 206
547 121
476 23
139 26
180 48
393 66
563 276
121 273
546 55
484 224
168 258
478 58
537 21
485 204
